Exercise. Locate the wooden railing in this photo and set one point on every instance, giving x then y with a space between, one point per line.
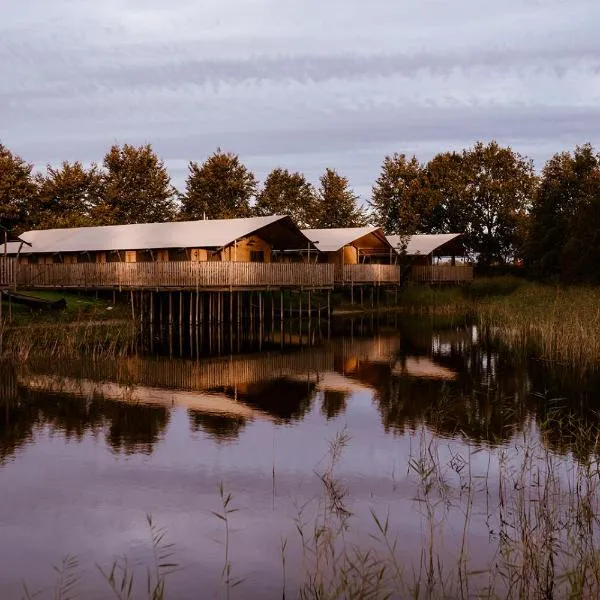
178 275
7 272
441 273
371 274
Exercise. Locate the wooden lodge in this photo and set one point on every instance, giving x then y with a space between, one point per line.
433 258
360 255
221 254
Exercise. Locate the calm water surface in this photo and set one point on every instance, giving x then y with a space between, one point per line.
88 450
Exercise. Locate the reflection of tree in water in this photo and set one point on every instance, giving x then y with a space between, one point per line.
489 413
134 428
17 420
567 406
334 403
281 398
129 428
221 427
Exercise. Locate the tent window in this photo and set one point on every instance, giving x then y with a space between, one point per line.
144 256
179 254
114 256
85 257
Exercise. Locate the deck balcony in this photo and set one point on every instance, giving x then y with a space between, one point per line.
7 273
441 273
178 275
367 274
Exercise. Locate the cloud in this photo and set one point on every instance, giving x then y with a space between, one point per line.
304 84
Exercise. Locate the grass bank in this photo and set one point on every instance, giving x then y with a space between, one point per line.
80 308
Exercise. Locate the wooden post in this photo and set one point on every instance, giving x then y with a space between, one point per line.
272 307
180 308
151 308
281 306
132 306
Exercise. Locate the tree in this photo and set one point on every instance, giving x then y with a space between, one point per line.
337 203
401 197
16 190
66 197
286 193
448 181
499 194
564 239
136 188
220 188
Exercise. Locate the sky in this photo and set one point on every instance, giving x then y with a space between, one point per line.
303 85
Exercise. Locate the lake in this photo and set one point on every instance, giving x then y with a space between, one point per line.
431 421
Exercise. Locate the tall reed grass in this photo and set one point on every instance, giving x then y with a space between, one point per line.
97 340
540 512
553 324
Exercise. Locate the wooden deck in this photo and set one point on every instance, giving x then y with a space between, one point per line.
441 273
367 274
7 272
175 275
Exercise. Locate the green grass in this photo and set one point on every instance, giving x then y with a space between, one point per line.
83 307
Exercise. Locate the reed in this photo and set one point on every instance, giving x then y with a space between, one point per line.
97 340
551 323
542 513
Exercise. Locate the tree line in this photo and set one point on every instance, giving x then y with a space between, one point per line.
490 193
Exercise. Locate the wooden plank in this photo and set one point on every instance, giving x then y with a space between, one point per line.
441 273
367 273
7 272
175 275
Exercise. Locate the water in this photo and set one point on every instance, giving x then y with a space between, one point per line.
88 450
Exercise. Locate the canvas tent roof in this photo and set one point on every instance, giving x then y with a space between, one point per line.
11 248
422 244
214 233
331 240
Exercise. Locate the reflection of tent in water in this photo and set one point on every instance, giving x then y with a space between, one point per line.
422 367
218 404
337 382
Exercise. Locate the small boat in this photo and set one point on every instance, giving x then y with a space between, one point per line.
34 302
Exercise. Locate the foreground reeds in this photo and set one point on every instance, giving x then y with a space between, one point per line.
541 513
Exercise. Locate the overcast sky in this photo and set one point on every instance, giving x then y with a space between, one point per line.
305 84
